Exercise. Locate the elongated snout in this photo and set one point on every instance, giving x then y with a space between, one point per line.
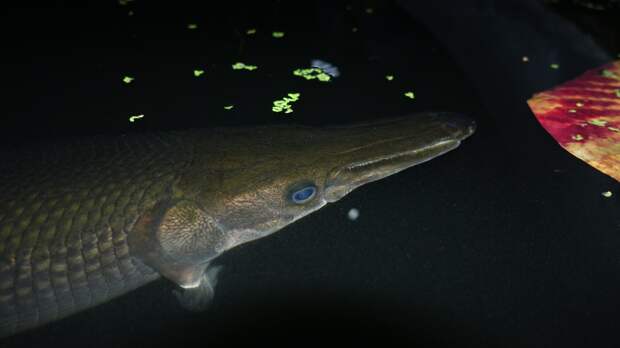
372 151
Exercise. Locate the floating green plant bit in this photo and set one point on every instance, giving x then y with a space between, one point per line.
389 77
135 117
607 194
301 72
242 66
614 129
294 96
251 31
410 95
577 137
323 77
617 93
554 66
198 72
599 123
284 104
610 74
313 73
277 34
192 26
128 79
229 107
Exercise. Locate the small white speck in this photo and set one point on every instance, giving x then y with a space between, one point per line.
607 194
353 214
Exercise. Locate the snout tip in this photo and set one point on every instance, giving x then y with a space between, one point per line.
461 125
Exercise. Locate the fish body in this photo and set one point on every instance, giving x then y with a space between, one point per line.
87 220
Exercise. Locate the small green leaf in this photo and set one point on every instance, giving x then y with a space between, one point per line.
607 194
323 77
198 73
242 66
135 117
228 107
389 77
277 34
128 79
617 93
312 73
283 104
192 26
251 31
609 74
410 95
599 123
554 66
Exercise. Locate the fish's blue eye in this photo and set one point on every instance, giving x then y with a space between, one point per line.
303 195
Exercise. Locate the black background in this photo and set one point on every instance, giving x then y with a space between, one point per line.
506 241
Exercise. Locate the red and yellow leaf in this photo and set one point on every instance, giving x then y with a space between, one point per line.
583 115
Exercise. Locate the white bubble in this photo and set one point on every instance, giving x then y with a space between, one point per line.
353 214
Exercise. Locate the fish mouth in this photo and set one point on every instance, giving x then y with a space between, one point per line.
380 149
405 158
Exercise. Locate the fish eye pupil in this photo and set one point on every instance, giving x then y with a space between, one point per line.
304 195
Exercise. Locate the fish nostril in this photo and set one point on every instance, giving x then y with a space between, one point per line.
454 125
472 127
459 123
460 128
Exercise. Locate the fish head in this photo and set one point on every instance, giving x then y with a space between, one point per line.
269 177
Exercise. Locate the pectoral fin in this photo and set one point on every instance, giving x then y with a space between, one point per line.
199 298
178 239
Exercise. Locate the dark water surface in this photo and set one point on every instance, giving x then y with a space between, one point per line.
506 241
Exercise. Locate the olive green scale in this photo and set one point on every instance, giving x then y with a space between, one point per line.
65 212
